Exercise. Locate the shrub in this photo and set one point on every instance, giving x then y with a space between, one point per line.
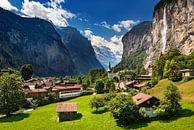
169 105
34 104
99 86
97 102
11 93
124 110
109 85
52 97
26 71
109 96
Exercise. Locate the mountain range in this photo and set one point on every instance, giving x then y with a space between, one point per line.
51 53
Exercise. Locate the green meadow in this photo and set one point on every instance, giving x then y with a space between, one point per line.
45 118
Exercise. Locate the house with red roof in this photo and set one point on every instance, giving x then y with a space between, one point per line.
146 102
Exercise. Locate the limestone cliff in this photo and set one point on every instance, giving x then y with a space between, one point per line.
173 26
137 39
135 44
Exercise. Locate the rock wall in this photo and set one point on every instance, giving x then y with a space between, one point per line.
173 26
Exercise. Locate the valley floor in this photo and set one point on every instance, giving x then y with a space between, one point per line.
45 118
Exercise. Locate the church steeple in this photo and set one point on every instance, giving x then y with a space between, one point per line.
109 67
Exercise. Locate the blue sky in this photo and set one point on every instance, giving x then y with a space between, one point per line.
104 22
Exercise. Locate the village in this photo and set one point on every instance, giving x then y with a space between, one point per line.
66 89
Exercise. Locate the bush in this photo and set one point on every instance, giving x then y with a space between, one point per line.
99 86
52 97
133 92
109 85
11 93
109 96
43 101
169 105
26 71
97 102
34 104
124 110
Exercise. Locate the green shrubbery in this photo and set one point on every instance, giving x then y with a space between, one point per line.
133 62
26 71
169 105
11 93
124 110
169 64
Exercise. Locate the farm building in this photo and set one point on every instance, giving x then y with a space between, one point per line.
66 111
187 72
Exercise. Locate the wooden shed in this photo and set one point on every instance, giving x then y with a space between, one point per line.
66 111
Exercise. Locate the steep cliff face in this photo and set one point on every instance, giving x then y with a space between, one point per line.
173 26
137 39
33 41
80 49
135 44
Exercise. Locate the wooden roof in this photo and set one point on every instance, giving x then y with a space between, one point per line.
66 107
187 70
141 98
142 85
129 83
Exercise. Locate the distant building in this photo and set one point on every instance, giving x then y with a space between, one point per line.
112 75
66 111
39 88
143 78
130 85
141 86
187 72
150 70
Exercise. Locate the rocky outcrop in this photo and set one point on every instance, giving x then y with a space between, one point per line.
33 41
137 39
80 49
135 44
173 26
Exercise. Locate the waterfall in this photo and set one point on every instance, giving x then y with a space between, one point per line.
164 31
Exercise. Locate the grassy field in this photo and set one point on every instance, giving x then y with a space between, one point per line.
45 118
186 89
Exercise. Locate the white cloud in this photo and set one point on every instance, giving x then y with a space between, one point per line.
103 24
117 27
126 24
52 12
114 44
5 4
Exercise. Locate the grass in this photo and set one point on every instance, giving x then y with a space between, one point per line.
45 118
186 89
